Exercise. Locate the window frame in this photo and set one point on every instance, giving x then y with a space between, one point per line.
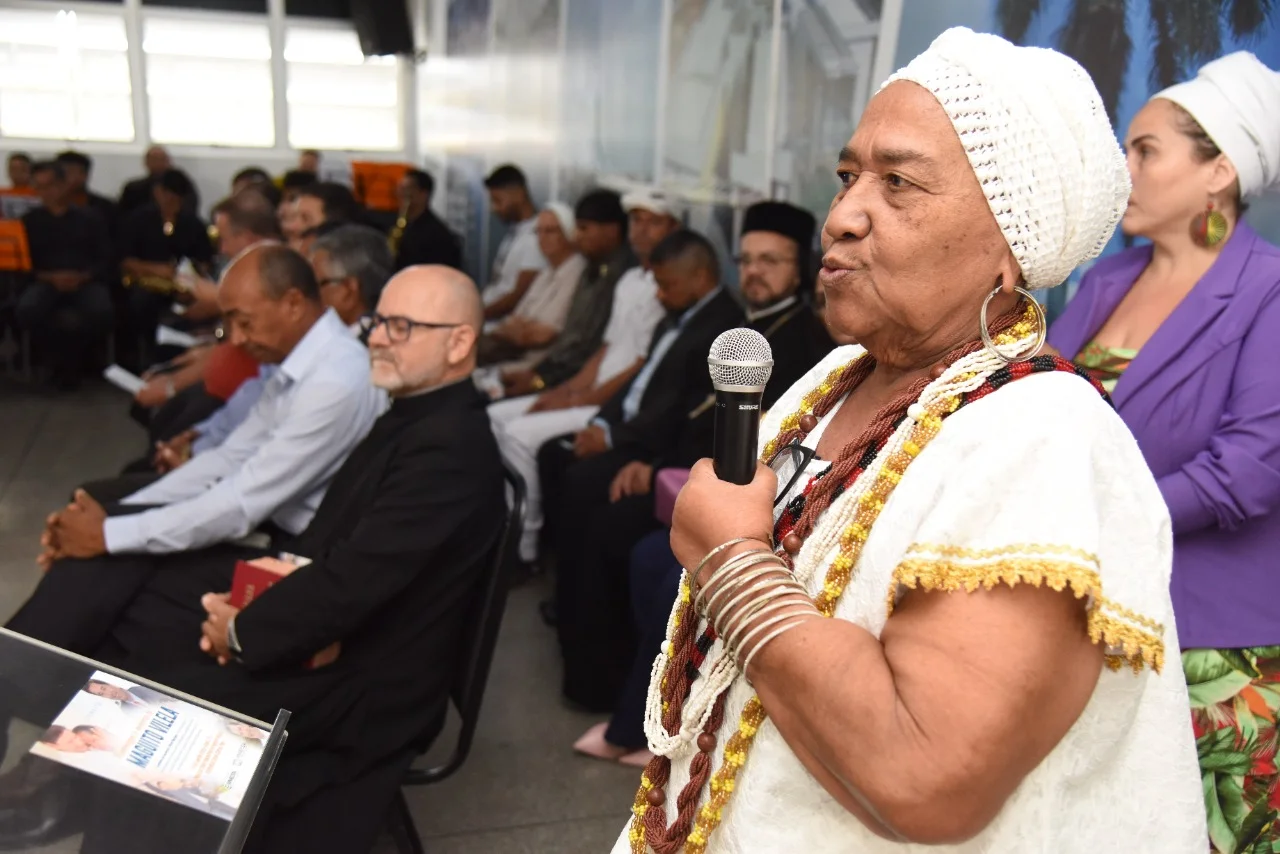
97 10
403 89
134 15
197 16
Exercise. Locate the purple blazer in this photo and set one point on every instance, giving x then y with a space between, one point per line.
1203 400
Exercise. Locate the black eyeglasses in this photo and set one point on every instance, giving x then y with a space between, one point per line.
398 328
799 456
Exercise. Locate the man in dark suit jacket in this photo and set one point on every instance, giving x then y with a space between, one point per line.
398 545
595 500
425 238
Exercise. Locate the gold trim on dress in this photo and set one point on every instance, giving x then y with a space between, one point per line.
1129 637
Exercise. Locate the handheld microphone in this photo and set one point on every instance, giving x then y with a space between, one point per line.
740 363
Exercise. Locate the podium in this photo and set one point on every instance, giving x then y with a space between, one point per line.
151 769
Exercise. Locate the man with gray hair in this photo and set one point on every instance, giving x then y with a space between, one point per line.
352 264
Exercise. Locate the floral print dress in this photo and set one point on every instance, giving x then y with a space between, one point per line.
1235 694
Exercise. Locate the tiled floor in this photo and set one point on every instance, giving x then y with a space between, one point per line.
522 791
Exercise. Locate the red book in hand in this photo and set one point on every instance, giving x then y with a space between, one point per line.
253 577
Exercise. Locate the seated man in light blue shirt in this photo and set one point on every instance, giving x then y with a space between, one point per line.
273 469
352 264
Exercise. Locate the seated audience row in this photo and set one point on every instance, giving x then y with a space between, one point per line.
596 324
313 471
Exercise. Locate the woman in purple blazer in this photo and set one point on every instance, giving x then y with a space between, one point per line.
1184 332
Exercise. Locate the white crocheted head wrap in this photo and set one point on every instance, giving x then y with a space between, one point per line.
1038 138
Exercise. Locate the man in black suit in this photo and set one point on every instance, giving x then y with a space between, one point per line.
595 500
398 546
425 238
78 167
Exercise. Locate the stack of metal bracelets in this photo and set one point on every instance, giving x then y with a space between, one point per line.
751 599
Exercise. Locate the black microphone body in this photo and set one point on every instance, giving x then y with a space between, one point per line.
737 435
740 363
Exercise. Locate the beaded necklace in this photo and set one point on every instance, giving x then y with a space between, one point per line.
676 669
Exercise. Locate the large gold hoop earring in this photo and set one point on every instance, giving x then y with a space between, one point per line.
1042 326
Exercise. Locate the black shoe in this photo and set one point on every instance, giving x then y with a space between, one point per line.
550 614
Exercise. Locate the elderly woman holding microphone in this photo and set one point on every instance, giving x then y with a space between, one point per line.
1184 329
960 638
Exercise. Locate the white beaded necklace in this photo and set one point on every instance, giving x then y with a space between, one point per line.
720 669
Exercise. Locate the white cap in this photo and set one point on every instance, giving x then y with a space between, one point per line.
1037 136
1236 99
654 200
564 215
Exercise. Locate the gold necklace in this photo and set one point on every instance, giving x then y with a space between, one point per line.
852 539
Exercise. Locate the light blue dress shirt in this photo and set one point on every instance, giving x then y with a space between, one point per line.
215 429
276 465
635 394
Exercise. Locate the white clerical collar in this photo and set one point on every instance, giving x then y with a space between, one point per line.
777 308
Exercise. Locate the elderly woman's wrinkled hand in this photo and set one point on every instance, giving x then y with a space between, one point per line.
710 511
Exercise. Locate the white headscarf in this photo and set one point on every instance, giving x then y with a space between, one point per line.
1236 99
564 215
1038 138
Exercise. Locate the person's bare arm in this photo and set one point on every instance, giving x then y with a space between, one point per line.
503 306
585 379
926 732
599 394
202 300
138 267
533 334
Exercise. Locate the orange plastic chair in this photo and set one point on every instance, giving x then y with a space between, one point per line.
15 253
375 184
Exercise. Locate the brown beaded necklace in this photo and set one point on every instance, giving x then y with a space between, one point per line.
688 648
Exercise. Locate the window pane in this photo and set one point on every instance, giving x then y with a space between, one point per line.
209 81
338 99
219 5
338 9
64 75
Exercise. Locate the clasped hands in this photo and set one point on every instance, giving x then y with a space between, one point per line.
215 634
66 281
76 531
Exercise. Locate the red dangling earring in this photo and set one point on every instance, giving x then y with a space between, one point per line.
1209 227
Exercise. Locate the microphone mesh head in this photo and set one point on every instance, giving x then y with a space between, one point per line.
740 360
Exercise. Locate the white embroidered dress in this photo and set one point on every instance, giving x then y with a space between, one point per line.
1039 482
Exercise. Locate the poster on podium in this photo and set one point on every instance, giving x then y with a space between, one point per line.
156 743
